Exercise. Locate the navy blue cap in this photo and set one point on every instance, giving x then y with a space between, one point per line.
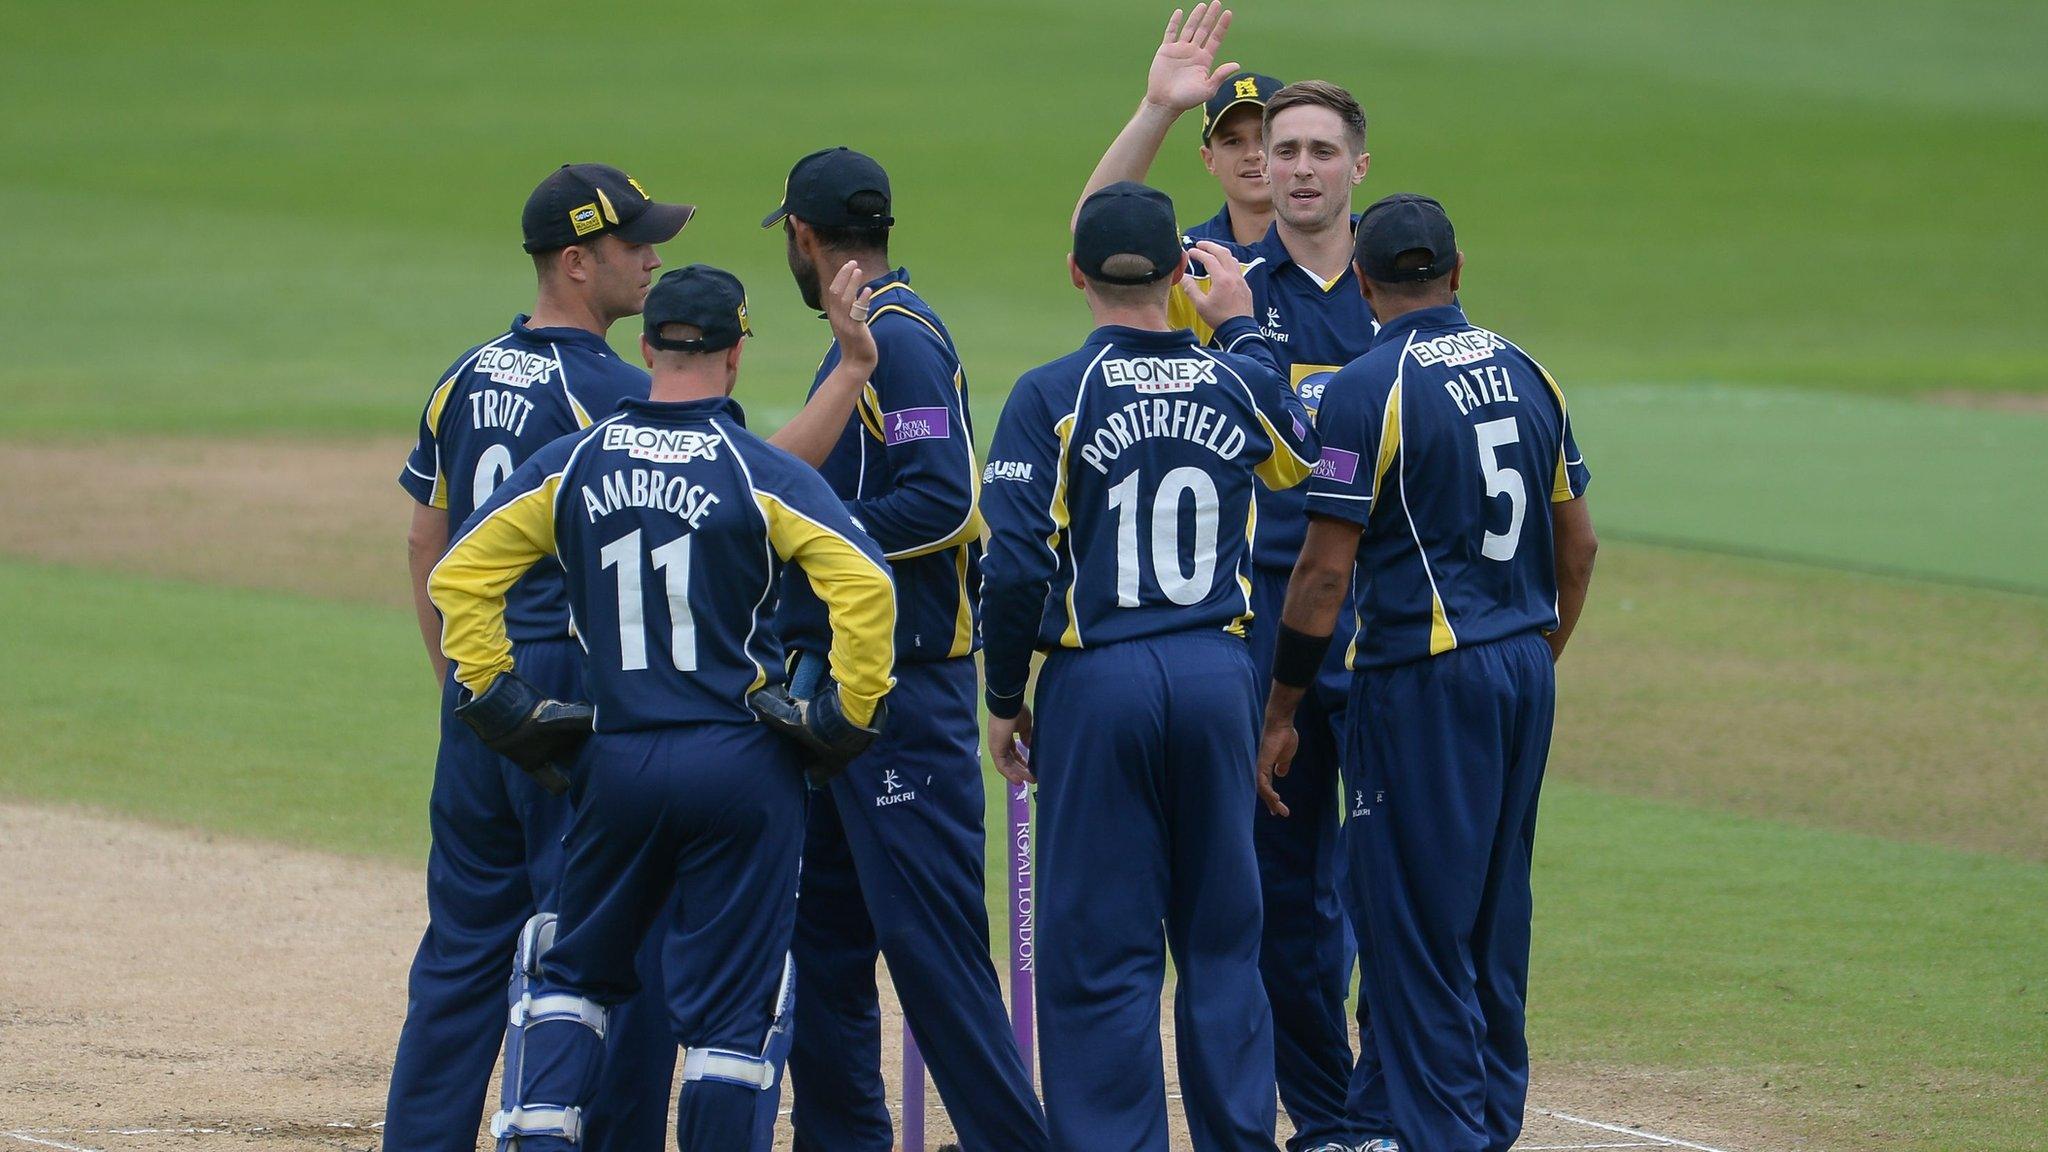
1241 88
1400 224
1127 219
709 299
821 188
577 203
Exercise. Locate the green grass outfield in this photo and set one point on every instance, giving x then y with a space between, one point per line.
1895 984
1795 847
247 216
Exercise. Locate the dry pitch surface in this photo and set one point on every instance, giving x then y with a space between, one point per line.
163 989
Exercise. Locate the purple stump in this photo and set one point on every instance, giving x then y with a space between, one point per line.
913 1094
1023 935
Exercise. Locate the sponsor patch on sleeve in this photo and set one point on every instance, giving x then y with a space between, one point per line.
1338 465
907 424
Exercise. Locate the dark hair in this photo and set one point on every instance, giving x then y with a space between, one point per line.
858 237
1126 295
1413 289
1319 94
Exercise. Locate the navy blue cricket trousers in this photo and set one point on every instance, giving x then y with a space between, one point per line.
1144 753
1449 754
693 832
1305 956
894 864
496 859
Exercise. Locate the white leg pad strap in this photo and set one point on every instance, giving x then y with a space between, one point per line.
728 1067
530 1009
539 1120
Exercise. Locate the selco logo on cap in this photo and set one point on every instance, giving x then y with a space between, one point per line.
709 299
1397 225
835 188
580 201
1241 88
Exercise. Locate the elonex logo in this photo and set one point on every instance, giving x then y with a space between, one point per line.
661 445
514 367
1151 374
1458 348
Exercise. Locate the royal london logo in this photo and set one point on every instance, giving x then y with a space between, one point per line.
662 445
515 367
1154 374
895 792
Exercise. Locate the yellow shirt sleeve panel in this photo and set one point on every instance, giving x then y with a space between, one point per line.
1283 469
859 598
1561 480
470 582
436 405
1180 309
1390 439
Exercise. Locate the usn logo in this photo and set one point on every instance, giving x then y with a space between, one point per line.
514 367
661 445
907 424
1018 470
895 792
1458 348
1154 374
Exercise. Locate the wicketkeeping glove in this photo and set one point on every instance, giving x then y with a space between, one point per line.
819 725
536 733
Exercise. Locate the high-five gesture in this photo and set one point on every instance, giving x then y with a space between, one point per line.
846 309
1184 74
811 434
1184 70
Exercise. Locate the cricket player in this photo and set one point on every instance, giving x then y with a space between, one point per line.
1307 306
496 856
672 525
894 856
1121 515
1234 152
1451 500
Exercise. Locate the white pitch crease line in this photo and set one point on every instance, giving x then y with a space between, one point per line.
1668 1141
1585 1147
59 1144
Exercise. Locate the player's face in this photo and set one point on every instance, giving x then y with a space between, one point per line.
1312 166
621 274
1236 155
803 270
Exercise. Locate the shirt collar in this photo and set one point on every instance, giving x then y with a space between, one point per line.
578 336
1441 316
893 276
675 410
1275 252
1145 338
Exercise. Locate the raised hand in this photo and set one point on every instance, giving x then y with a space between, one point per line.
846 308
1184 70
1228 294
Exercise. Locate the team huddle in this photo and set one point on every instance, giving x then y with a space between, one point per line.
1298 544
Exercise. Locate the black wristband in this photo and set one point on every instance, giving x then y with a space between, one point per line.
1298 657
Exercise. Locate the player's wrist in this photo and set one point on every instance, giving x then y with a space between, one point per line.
1004 706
